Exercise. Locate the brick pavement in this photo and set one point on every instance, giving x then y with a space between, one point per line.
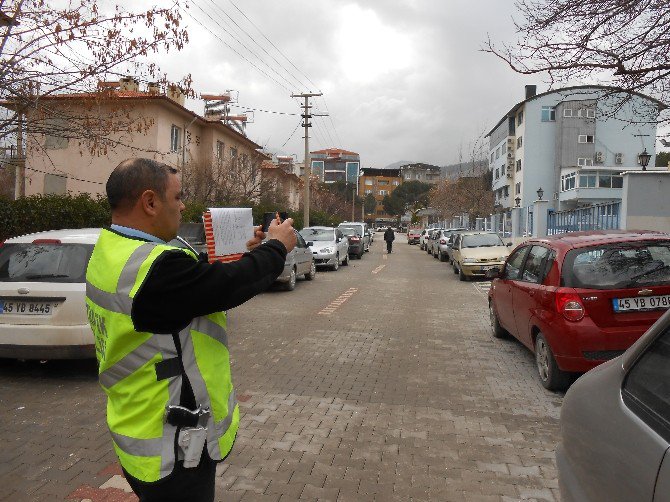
399 393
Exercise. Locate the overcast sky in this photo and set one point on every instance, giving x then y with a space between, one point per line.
402 79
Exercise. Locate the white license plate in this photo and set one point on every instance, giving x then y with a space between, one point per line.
27 308
641 303
484 268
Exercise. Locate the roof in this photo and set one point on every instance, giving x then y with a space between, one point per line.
138 95
66 236
591 237
389 173
334 151
661 105
420 165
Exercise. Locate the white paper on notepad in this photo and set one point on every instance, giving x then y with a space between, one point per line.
232 227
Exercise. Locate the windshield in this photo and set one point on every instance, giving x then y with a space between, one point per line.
44 262
481 240
617 266
348 231
318 234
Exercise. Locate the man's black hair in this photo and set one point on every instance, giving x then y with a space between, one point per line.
132 177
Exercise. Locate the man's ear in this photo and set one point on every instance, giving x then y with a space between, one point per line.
149 202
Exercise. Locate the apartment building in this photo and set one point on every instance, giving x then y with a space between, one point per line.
419 171
335 164
379 183
60 156
574 143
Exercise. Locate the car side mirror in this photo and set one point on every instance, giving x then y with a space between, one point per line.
508 244
339 239
492 273
310 244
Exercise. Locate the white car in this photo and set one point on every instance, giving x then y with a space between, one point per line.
329 246
42 290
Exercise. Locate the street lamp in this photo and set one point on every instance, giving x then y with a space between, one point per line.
643 159
517 201
540 193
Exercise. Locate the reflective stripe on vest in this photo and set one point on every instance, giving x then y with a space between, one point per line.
212 356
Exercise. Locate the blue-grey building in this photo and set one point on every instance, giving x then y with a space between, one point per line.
335 164
574 143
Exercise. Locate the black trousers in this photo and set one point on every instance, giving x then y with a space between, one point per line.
184 485
389 246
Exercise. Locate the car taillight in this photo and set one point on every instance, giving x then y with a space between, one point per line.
569 304
354 239
442 241
47 241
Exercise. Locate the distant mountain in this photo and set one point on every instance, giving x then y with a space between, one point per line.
396 165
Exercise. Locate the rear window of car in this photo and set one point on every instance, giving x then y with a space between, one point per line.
357 229
44 262
348 231
481 240
617 266
318 234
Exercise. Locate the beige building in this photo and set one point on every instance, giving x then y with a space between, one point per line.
84 136
281 178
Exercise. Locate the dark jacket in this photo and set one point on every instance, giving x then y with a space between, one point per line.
389 235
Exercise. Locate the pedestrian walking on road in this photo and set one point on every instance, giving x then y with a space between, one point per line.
389 237
156 311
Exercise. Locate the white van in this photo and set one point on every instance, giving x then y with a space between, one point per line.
361 228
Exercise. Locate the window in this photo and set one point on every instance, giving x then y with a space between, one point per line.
582 161
517 189
497 173
514 262
518 165
498 153
590 113
383 192
493 157
369 182
587 180
502 170
568 181
519 142
367 192
567 112
175 138
646 389
408 176
533 270
548 113
585 138
396 182
233 155
519 118
382 182
605 181
617 180
506 190
220 150
579 112
503 149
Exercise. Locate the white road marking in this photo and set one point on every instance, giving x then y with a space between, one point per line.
378 269
482 287
335 304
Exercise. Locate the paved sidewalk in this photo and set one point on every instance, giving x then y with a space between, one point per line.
376 382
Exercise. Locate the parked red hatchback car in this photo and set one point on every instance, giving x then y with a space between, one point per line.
579 299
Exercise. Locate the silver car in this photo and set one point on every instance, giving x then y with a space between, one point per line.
442 243
361 229
615 426
329 246
299 262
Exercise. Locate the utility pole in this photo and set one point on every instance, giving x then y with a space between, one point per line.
308 165
20 161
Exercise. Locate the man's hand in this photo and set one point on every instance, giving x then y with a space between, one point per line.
258 237
283 232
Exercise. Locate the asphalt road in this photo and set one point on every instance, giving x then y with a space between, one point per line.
380 381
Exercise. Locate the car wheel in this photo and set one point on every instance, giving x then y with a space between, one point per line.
312 272
290 285
551 377
335 266
496 329
345 262
461 275
442 257
453 266
360 255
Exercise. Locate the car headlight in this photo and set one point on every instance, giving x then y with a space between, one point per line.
469 260
326 250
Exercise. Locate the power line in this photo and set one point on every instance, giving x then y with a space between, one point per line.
300 84
275 47
294 130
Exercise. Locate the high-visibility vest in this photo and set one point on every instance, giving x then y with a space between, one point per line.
137 396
